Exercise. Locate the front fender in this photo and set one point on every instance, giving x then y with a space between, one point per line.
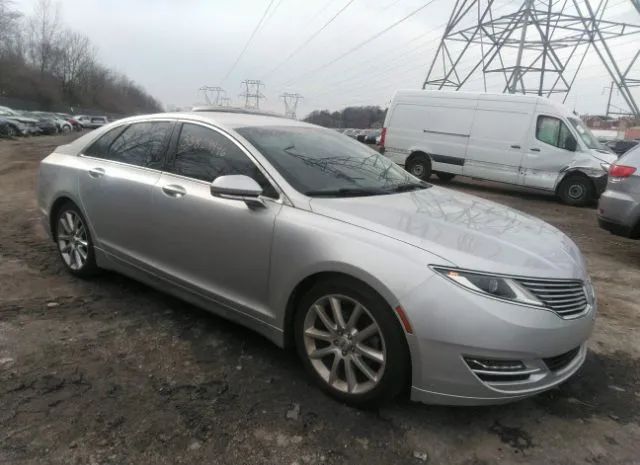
307 243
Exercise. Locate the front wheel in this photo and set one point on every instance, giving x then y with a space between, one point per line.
351 342
576 190
419 166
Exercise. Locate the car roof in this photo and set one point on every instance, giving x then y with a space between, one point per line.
224 120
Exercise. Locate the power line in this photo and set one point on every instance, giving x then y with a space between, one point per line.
313 36
365 42
246 46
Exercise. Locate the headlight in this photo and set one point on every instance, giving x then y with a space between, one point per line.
495 286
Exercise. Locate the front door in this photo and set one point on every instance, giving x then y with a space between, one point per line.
118 173
551 148
217 247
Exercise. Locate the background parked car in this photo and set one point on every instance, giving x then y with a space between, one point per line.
619 206
620 147
27 123
11 128
351 133
71 120
46 124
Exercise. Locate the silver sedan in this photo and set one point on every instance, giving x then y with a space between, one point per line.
381 282
619 206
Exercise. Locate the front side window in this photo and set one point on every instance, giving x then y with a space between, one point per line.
554 132
321 162
205 154
140 144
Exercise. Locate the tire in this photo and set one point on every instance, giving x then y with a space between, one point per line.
419 166
66 130
445 177
576 190
11 131
338 349
74 242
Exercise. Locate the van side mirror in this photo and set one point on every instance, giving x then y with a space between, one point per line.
571 144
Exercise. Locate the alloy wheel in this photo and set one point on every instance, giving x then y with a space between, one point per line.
72 240
344 344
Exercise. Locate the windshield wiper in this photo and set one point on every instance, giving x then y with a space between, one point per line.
409 187
345 192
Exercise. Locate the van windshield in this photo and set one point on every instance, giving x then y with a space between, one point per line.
586 135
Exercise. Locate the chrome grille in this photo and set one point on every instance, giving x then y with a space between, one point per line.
566 298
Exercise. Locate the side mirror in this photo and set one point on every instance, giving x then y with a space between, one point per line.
235 186
571 144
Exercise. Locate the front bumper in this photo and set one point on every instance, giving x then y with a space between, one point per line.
600 183
451 323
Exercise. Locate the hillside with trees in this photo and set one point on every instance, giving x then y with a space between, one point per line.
350 117
55 68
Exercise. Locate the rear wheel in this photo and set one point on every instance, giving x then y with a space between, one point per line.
576 190
420 166
445 177
351 342
74 242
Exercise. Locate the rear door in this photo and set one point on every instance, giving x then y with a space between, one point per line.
495 146
551 147
120 170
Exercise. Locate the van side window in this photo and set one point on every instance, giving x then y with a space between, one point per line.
554 132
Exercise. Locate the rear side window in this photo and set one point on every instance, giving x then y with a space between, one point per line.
554 132
140 144
204 154
100 148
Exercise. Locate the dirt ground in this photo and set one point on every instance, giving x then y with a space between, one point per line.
110 371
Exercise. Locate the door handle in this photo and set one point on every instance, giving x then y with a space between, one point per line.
96 172
515 146
173 190
535 149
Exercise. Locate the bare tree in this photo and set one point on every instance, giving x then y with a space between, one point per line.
9 28
43 28
74 53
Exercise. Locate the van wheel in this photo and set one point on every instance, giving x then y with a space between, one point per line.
445 177
419 166
576 190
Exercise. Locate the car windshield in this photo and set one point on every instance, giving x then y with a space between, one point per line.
319 162
586 135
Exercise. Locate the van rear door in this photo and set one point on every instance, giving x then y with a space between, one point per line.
495 147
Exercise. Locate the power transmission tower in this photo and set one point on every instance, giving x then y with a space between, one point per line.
225 102
252 94
291 104
212 95
538 47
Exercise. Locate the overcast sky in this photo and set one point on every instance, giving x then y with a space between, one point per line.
172 48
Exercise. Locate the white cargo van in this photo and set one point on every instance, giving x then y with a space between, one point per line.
516 139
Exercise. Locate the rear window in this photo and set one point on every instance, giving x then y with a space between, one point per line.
140 144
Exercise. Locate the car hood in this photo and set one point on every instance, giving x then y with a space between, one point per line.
22 119
464 230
